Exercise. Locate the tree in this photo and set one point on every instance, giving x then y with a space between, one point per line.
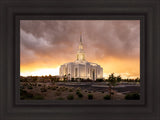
137 80
35 79
112 82
64 78
50 76
57 79
119 78
72 79
69 77
52 80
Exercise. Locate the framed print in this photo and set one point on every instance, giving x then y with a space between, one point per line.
79 60
80 81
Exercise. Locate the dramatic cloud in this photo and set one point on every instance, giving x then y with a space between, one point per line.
50 43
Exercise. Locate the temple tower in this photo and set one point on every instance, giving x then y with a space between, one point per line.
80 52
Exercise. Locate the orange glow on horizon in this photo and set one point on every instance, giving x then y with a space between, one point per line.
127 68
41 72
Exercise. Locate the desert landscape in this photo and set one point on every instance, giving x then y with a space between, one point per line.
52 90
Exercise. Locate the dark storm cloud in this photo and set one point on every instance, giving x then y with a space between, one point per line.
59 40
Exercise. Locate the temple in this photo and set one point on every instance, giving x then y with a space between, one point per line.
80 68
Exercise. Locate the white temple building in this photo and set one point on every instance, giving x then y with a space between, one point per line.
80 68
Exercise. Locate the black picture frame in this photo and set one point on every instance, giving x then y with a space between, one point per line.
11 11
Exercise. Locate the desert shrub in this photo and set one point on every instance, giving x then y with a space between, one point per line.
99 80
34 84
22 97
112 93
30 87
22 91
22 87
25 84
102 91
60 98
49 87
107 97
54 88
70 97
86 91
39 85
78 89
70 90
90 96
63 90
66 88
57 93
77 92
58 89
132 96
61 87
128 96
25 95
43 90
29 95
38 97
80 95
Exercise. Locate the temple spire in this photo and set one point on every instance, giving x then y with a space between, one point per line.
81 44
80 52
80 37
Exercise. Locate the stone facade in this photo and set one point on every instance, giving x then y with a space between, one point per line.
81 68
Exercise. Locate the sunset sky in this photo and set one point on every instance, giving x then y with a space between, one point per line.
47 44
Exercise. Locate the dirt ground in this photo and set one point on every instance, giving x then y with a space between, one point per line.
56 92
